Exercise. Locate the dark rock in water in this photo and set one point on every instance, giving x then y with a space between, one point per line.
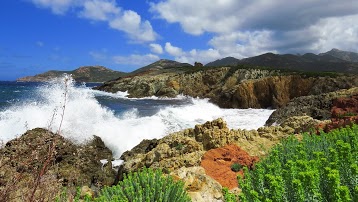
70 165
315 106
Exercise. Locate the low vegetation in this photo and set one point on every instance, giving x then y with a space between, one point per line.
316 168
145 185
236 167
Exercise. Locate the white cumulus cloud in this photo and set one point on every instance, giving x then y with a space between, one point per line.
135 59
193 55
156 48
203 56
99 10
127 21
131 23
245 28
173 50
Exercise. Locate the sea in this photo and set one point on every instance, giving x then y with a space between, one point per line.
77 112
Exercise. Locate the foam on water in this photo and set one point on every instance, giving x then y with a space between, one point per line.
84 117
124 95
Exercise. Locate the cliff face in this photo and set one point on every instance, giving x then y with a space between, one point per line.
230 87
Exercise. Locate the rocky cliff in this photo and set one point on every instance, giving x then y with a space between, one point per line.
231 87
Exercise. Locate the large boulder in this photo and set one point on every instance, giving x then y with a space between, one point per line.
199 185
39 156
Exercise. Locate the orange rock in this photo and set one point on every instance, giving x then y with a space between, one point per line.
217 164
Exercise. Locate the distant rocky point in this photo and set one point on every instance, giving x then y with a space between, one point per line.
82 74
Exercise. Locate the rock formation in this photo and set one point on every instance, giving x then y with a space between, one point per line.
184 152
316 106
198 64
217 164
344 112
231 87
71 166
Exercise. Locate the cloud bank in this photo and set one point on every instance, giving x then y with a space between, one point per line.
243 28
239 28
127 21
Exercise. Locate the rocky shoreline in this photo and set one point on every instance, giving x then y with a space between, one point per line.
303 104
231 87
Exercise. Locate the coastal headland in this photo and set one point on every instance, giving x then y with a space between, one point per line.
201 156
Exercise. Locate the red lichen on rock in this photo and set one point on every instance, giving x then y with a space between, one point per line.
217 164
344 112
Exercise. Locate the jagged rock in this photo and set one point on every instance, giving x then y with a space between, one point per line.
344 112
230 87
185 149
200 187
345 107
170 152
300 123
315 106
70 165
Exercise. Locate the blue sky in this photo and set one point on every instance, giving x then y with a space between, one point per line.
42 35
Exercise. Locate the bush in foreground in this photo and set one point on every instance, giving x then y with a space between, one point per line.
145 185
318 168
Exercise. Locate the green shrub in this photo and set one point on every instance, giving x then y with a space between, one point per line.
236 167
145 185
318 168
229 197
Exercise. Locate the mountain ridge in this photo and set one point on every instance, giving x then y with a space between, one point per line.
344 55
81 74
334 60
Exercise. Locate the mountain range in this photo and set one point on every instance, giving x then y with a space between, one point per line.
332 61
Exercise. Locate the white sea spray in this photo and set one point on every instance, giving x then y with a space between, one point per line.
85 116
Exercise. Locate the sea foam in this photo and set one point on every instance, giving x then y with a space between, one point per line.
83 116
